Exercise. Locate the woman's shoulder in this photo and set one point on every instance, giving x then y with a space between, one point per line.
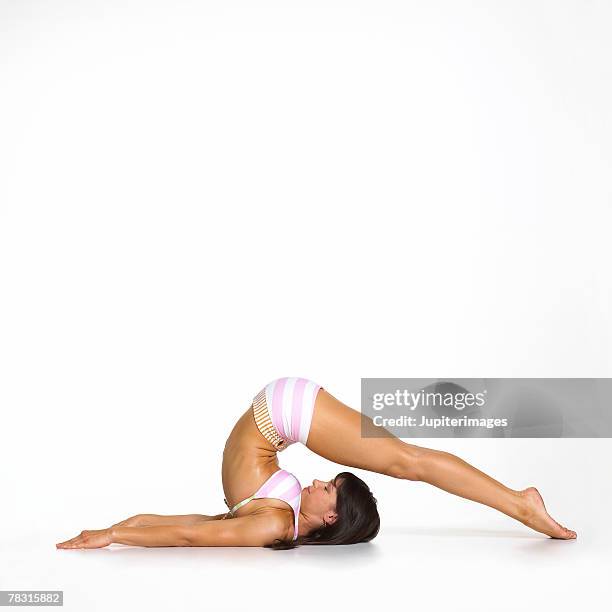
275 517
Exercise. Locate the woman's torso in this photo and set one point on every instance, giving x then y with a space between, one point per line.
248 461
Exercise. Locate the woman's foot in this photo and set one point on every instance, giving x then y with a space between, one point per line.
535 516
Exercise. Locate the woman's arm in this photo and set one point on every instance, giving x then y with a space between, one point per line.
254 530
148 520
257 529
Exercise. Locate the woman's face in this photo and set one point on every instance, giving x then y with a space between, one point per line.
319 500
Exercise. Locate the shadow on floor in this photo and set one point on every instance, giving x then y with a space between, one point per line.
462 532
357 554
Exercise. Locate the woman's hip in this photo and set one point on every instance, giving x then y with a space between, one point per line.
283 410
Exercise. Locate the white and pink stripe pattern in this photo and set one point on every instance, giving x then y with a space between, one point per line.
291 403
284 486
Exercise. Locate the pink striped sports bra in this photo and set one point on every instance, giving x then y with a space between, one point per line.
281 485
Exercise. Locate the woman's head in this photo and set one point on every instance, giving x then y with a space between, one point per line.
337 511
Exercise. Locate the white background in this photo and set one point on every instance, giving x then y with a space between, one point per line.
199 197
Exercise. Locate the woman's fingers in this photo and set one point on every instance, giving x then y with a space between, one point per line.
68 543
96 538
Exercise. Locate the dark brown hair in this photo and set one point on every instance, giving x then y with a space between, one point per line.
358 519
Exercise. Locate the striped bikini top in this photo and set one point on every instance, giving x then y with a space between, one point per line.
281 485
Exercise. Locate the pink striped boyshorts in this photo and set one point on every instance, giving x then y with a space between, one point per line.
283 410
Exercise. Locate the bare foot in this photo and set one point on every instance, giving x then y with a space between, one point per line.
537 518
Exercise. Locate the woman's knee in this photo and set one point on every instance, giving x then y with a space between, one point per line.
408 464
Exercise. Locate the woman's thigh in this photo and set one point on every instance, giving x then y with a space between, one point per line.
340 433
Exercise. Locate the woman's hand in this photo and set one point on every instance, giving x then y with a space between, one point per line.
133 521
91 538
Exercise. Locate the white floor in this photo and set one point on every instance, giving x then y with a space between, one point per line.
435 551
461 568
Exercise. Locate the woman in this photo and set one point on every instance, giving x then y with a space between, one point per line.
268 506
